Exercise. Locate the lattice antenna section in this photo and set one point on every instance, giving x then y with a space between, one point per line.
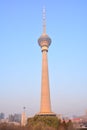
44 20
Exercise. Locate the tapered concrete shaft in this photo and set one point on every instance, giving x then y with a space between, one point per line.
45 91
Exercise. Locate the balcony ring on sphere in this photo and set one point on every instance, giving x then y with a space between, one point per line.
44 48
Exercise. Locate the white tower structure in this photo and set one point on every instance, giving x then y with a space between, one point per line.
23 118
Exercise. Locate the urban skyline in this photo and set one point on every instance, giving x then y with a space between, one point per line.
20 56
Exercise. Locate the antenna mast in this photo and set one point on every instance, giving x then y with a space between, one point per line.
44 20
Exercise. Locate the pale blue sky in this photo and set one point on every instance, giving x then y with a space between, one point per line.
21 58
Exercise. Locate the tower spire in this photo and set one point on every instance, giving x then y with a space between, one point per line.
44 20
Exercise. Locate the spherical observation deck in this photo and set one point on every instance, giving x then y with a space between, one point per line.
44 40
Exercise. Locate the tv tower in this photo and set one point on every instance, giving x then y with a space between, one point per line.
44 42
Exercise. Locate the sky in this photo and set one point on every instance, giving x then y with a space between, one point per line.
21 57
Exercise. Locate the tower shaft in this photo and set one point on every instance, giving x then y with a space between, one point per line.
45 91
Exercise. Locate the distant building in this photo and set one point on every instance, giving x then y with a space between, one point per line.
15 118
2 116
60 116
77 120
86 112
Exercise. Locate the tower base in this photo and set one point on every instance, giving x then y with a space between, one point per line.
43 121
46 114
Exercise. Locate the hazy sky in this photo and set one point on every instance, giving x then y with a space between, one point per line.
21 58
